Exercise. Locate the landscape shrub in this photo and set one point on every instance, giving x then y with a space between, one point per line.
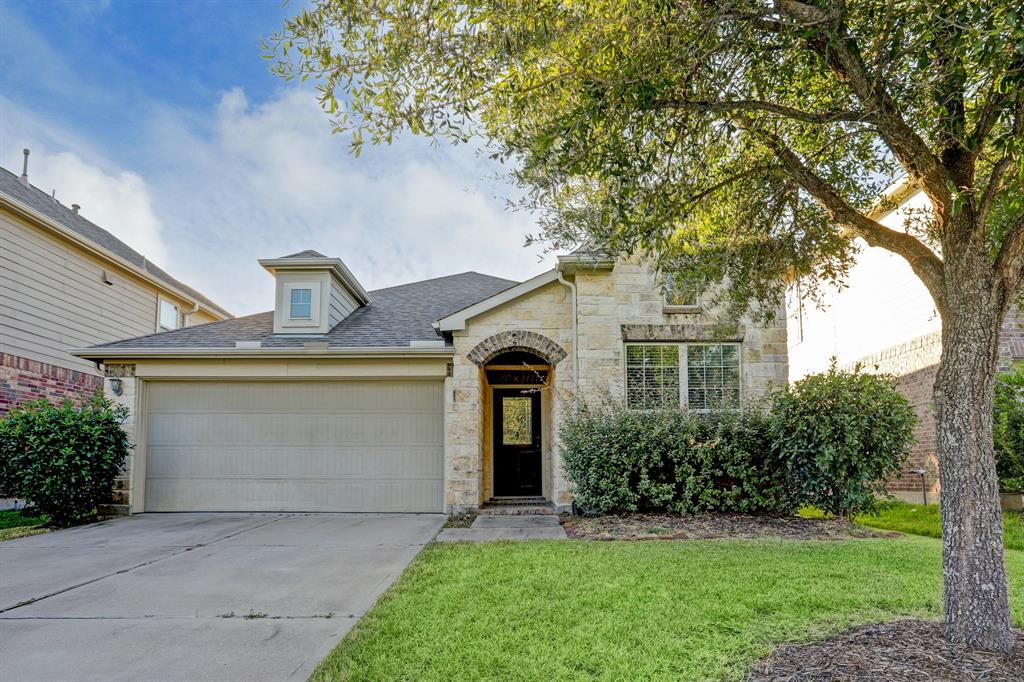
1008 430
622 460
830 441
841 435
63 458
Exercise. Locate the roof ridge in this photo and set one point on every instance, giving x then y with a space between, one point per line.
437 279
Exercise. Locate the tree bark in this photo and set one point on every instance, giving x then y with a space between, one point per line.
977 608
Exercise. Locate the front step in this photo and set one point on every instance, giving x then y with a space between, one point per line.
517 506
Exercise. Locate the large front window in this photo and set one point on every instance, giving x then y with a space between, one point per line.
698 376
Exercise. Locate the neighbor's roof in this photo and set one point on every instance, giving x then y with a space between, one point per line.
394 317
41 202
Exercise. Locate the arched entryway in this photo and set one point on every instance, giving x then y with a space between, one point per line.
517 407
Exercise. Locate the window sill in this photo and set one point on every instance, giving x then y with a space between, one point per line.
680 309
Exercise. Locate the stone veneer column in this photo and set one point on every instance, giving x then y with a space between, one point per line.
121 496
462 436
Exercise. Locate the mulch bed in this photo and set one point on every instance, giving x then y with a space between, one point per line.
713 526
461 520
901 651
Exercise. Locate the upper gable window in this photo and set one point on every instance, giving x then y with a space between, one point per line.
301 304
168 316
681 293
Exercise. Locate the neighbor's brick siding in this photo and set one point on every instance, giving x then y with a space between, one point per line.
22 380
913 364
1011 339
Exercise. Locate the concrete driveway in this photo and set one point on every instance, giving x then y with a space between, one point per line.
196 596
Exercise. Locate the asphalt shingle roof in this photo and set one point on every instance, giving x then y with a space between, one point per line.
35 198
394 317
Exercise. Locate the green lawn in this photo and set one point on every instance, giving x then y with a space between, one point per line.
919 519
13 524
577 610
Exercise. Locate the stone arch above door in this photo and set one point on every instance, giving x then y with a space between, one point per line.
516 340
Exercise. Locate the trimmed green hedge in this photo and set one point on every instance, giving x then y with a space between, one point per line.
627 460
63 458
829 441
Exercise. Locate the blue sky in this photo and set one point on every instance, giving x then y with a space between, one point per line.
163 122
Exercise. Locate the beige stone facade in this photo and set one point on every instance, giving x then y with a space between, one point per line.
616 304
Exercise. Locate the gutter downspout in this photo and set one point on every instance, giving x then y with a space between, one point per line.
195 309
575 343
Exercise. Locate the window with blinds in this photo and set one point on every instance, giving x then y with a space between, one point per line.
652 376
698 376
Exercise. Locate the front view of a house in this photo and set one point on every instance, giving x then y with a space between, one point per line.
432 396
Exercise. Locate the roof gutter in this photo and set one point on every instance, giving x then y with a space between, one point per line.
317 352
83 243
891 198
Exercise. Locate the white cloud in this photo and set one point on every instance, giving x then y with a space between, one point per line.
270 179
246 181
118 201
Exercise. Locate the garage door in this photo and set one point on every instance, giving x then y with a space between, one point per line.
294 446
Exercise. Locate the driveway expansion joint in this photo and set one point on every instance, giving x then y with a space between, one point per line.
187 548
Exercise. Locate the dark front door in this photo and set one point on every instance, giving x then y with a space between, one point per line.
517 442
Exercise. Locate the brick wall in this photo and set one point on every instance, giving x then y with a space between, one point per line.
1011 339
914 364
22 380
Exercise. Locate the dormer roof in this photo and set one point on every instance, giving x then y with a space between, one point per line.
313 260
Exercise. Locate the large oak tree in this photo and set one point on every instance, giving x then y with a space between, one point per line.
741 141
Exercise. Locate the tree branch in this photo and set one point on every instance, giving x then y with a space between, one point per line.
994 105
1010 261
707 191
843 58
994 185
928 267
769 107
1003 165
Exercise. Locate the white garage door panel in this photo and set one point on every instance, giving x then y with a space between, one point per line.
294 446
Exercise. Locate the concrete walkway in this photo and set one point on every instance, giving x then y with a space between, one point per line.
196 596
506 527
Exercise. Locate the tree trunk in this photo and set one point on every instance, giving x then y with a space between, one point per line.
977 609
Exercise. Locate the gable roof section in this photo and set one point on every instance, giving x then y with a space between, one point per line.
44 205
457 320
395 318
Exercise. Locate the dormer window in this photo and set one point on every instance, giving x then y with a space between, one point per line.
301 304
313 293
168 318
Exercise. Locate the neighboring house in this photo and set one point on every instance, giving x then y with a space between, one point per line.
885 320
433 396
67 283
